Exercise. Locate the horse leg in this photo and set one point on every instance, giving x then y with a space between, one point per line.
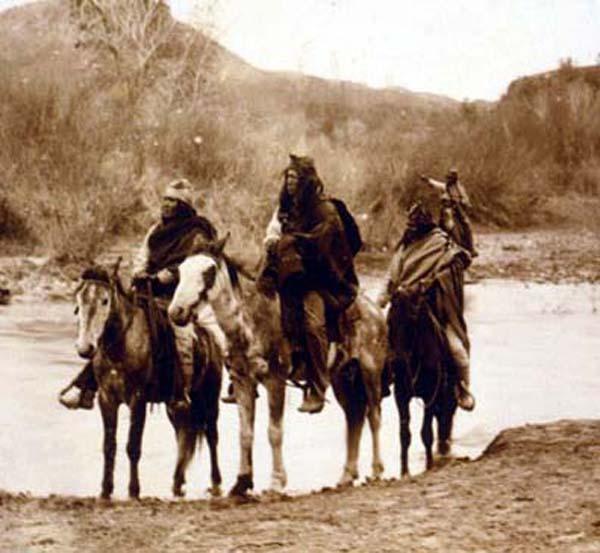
245 390
276 394
212 438
108 409
403 404
445 423
137 422
186 444
354 406
374 415
427 436
371 377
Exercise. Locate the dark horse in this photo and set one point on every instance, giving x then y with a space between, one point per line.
114 332
422 367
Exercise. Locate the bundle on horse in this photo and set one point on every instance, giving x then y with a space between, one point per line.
258 352
115 333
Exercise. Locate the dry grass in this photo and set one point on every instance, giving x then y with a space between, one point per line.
85 156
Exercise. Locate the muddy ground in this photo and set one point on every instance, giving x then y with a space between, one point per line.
536 488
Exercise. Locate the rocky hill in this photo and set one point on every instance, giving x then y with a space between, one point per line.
99 110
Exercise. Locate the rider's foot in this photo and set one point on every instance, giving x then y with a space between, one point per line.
313 403
75 398
464 398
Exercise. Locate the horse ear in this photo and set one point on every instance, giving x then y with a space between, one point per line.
218 247
294 158
116 266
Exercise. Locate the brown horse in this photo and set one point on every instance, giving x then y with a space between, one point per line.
114 332
422 367
258 353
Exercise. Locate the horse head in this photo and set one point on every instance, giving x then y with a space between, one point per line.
201 280
95 298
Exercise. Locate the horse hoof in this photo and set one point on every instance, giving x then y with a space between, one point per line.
178 492
444 449
243 484
347 480
278 484
215 491
343 484
377 471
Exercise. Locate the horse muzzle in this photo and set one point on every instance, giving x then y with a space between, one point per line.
85 350
179 315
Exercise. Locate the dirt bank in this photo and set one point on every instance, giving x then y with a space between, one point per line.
536 488
553 255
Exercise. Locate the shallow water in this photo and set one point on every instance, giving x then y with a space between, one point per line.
535 357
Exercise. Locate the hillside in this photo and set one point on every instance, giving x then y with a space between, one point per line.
87 116
96 118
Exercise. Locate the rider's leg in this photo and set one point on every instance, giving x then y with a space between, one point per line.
460 355
315 327
206 319
185 338
80 395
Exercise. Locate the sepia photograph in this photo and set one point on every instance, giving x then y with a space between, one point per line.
298 276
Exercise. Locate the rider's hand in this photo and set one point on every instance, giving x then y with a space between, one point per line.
270 243
383 300
165 276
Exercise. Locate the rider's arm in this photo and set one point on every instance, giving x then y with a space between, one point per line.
435 184
273 232
142 258
464 197
391 280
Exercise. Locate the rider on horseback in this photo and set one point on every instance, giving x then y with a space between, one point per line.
311 242
165 246
428 262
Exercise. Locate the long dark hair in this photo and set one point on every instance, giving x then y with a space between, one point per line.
310 189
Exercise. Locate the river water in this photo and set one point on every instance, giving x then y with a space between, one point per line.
535 358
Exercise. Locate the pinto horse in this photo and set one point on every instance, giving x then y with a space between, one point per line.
259 353
422 367
114 332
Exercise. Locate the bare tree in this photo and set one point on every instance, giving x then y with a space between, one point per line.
132 33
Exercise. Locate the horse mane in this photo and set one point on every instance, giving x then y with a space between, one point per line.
233 272
96 272
214 250
101 274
